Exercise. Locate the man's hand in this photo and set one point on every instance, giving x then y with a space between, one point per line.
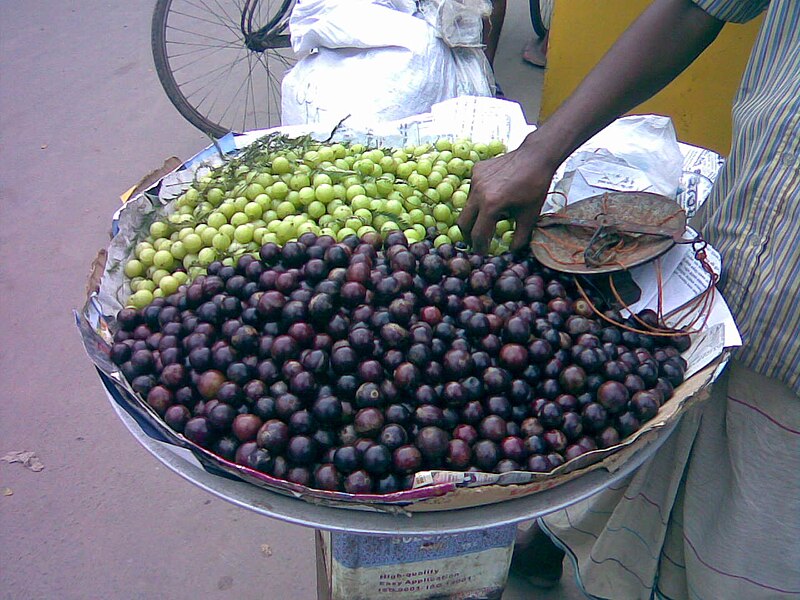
662 42
510 186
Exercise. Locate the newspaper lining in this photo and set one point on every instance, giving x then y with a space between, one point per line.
480 119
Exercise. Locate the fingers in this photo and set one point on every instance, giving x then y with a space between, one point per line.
522 234
466 220
482 231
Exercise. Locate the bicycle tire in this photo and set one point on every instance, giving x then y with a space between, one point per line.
537 19
216 67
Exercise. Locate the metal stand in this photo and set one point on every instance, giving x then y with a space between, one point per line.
353 525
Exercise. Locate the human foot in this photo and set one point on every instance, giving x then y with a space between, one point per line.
535 52
539 562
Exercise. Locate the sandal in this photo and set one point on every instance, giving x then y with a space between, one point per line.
540 562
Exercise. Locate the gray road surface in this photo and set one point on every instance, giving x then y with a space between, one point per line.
82 118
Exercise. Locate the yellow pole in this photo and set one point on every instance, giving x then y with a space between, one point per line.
699 100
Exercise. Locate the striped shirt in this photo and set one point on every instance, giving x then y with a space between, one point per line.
753 214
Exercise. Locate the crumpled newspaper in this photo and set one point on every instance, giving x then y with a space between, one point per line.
26 458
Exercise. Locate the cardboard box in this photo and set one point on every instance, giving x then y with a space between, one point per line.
461 566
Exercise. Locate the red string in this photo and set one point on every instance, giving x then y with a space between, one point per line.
699 306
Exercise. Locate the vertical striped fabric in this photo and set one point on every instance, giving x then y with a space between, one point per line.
753 215
715 514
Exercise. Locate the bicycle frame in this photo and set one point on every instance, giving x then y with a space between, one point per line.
272 35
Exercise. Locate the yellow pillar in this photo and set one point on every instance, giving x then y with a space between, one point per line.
699 100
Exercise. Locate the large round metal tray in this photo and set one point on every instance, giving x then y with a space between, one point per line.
301 512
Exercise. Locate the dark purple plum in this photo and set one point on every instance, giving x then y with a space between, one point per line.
665 387
538 463
508 287
485 455
613 396
398 413
459 455
395 336
540 351
514 357
531 426
393 436
574 451
535 444
472 413
573 380
371 370
273 435
432 442
177 416
327 477
669 370
555 440
496 380
407 459
499 405
299 475
568 403
594 416
327 410
607 438
347 459
369 422
302 422
265 408
261 460
507 465
427 414
142 384
225 447
197 430
587 443
301 450
344 360
627 424
160 399
221 416
513 447
493 427
377 460
644 405
407 376
358 482
458 364
572 426
550 415
243 453
246 426
453 394
466 433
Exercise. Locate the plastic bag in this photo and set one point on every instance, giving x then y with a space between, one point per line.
317 24
373 60
458 22
634 154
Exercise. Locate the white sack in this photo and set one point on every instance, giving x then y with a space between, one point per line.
636 153
374 61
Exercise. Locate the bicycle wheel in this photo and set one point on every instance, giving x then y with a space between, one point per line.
221 62
541 11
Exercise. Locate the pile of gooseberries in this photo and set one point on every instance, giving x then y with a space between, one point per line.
279 189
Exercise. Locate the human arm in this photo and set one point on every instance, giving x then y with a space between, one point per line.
657 47
492 27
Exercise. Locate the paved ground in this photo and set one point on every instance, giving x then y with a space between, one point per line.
82 117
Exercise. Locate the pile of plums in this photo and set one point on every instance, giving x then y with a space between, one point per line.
353 365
